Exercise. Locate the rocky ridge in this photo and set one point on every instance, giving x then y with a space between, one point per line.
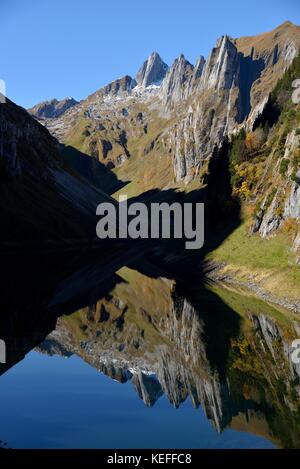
207 102
52 109
162 129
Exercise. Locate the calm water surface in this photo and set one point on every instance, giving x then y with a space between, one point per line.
52 402
133 359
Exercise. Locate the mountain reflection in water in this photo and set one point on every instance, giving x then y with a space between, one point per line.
228 353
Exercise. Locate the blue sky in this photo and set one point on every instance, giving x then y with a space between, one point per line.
58 48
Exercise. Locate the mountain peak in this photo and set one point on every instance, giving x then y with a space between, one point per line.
154 55
199 67
119 87
181 61
173 86
286 24
53 108
153 70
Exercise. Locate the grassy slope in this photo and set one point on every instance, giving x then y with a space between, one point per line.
270 263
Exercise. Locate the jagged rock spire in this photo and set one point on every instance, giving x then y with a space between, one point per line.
221 67
152 71
173 84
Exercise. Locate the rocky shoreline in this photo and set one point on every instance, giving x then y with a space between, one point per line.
216 275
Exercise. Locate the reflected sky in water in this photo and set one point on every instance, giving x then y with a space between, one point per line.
56 402
102 355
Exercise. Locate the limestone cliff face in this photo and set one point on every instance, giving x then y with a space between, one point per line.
194 138
292 205
219 103
175 85
119 88
276 49
222 66
230 90
199 67
285 203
